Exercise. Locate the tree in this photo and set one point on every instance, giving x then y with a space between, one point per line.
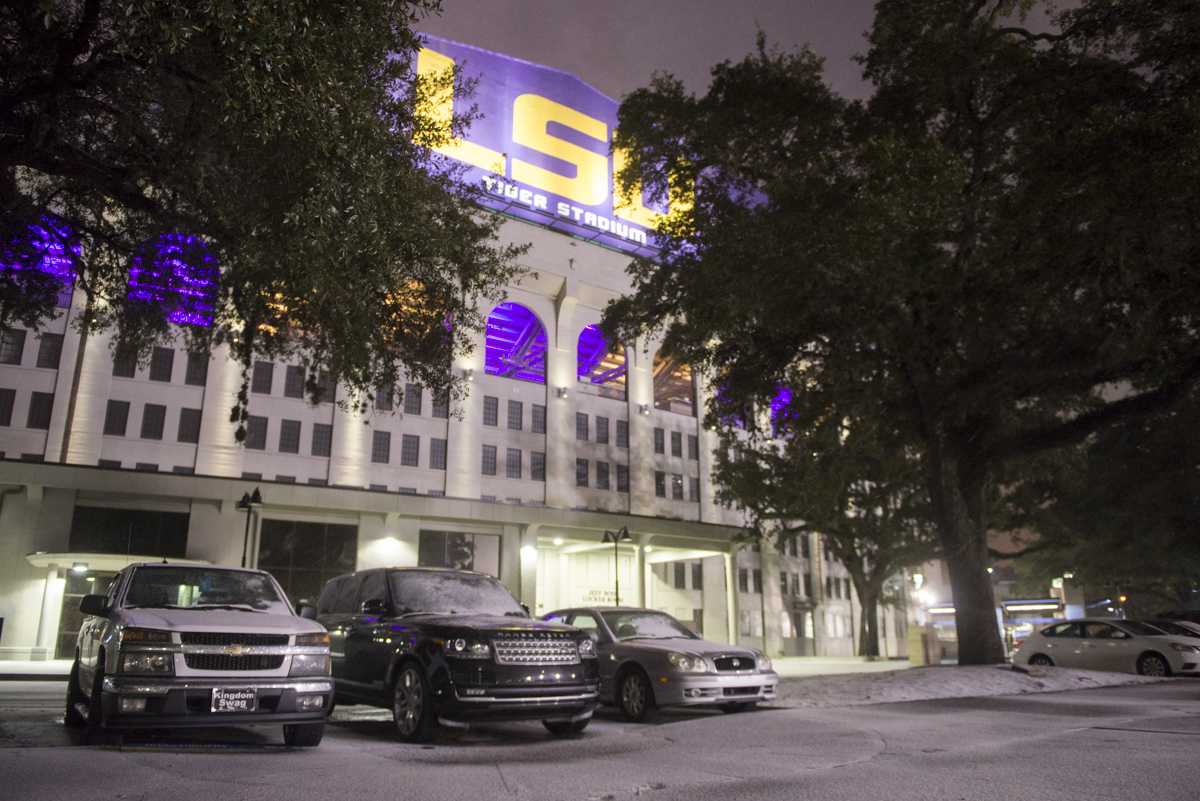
846 481
995 255
286 142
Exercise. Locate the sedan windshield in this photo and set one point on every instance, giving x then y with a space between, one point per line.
200 588
645 625
1141 629
451 594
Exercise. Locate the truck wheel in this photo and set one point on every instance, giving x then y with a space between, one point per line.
412 705
634 696
96 733
303 735
566 728
72 717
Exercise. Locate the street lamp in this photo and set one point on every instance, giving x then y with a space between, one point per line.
616 538
248 503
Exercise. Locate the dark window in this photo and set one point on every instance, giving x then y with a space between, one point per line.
516 415
602 430
12 345
512 463
196 372
660 484
783 583
791 545
622 433
622 478
7 398
491 410
697 575
581 472
124 363
807 586
743 580
488 461
679 575
162 364
289 436
262 378
303 556
412 399
384 398
538 425
154 416
441 407
97 529
256 433
293 381
758 581
805 550
846 588
186 470
461 551
189 425
49 350
437 454
319 482
410 450
602 471
677 486
677 444
828 587
322 439
326 389
1063 630
150 467
40 406
114 464
694 488
581 426
381 447
116 418
660 441
537 465
693 447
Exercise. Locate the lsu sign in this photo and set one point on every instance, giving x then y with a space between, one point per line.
541 147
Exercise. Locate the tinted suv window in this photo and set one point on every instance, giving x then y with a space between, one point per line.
328 602
373 588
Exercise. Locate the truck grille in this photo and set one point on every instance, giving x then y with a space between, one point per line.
232 663
542 648
231 638
736 662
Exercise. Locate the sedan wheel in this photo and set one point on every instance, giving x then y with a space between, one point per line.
1041 660
635 696
411 708
1153 665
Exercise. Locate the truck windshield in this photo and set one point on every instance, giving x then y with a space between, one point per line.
200 588
451 593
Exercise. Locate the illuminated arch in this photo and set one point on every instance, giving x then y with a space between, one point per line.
178 273
674 390
515 345
600 367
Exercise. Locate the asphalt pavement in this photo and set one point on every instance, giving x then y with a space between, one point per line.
1124 743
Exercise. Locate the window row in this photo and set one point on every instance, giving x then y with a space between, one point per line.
514 415
162 365
513 463
837 588
583 432
153 422
676 574
603 475
660 486
791 583
41 404
12 348
693 444
744 576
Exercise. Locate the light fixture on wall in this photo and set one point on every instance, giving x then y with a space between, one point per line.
79 567
562 393
469 374
557 541
644 408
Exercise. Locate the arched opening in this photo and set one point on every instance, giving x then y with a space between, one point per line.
674 390
178 273
515 346
600 368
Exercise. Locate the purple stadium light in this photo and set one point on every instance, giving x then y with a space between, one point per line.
516 344
50 250
180 274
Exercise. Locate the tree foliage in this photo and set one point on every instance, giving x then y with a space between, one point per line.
289 136
996 255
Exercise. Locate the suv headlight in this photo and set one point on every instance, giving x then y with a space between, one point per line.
309 665
468 649
688 663
587 648
138 662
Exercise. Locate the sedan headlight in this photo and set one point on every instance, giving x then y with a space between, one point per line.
309 665
587 648
1185 649
468 649
764 663
688 663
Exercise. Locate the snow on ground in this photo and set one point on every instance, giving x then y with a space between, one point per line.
946 681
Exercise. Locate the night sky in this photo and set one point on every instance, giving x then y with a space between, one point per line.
617 45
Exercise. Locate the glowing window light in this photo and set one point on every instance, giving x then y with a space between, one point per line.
515 344
50 249
178 273
600 367
779 406
673 387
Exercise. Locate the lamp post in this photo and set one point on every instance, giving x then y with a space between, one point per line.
616 538
247 504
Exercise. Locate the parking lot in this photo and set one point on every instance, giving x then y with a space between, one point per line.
1122 742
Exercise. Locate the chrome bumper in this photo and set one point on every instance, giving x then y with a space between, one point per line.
149 686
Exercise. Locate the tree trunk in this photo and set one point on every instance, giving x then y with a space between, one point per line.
868 640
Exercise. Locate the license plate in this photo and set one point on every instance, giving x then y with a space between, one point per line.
234 699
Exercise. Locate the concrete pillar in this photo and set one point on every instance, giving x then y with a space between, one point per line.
462 429
219 453
640 383
47 632
772 600
562 359
528 559
351 451
731 596
714 598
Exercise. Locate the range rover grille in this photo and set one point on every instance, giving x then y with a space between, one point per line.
224 662
542 648
231 638
735 662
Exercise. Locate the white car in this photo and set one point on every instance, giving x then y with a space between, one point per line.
1119 645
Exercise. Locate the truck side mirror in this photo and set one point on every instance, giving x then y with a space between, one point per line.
95 605
308 611
526 608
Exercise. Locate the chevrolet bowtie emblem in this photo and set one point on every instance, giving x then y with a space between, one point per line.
234 650
737 663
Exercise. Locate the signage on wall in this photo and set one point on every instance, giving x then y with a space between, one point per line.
540 149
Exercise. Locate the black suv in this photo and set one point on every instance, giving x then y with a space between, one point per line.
451 647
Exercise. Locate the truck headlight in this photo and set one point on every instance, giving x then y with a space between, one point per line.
147 663
587 649
688 663
468 649
309 665
145 635
317 638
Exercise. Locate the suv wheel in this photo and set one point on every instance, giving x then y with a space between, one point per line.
303 735
72 717
412 706
566 728
634 696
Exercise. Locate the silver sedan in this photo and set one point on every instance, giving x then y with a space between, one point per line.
1118 645
649 659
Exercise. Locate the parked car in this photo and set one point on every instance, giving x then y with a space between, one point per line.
1177 628
179 646
1103 644
1189 615
452 647
649 659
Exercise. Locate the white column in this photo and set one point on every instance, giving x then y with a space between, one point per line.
561 372
351 452
462 430
48 622
731 597
91 400
218 452
640 383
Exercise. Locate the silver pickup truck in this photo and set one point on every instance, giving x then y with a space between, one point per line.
175 645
